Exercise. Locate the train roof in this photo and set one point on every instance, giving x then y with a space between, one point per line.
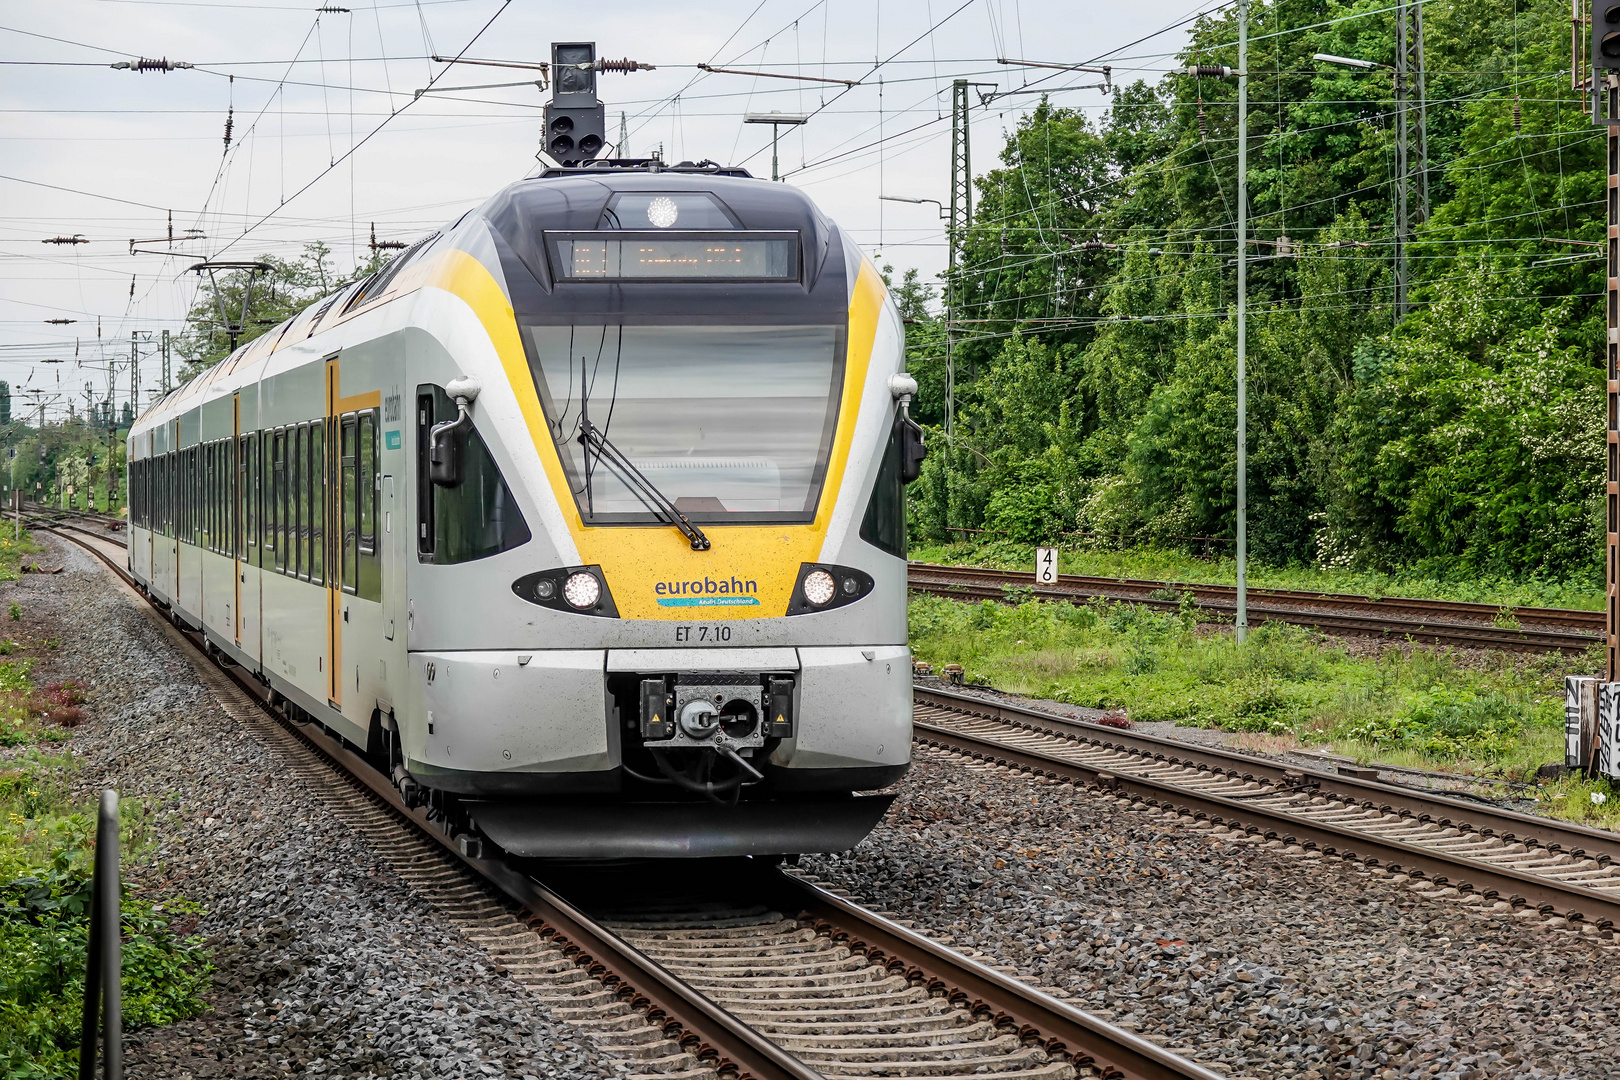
507 231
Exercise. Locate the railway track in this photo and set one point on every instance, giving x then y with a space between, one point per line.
1471 851
733 970
1440 621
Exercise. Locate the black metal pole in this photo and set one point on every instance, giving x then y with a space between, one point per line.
103 976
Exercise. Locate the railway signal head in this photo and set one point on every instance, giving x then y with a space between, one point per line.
1605 35
576 127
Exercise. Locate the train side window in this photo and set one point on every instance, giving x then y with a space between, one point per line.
222 476
210 504
424 486
199 506
250 491
884 526
317 502
278 498
298 500
367 481
350 534
478 517
210 524
263 507
192 500
199 496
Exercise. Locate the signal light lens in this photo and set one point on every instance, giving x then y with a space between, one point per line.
562 144
562 125
819 587
582 590
1611 44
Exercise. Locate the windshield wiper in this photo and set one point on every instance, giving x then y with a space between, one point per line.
596 442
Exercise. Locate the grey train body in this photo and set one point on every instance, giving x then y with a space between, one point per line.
452 513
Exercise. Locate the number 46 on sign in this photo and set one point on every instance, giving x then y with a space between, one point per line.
1046 566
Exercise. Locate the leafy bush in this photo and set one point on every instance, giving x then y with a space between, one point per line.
1446 722
44 939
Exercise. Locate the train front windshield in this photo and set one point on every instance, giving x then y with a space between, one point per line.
733 424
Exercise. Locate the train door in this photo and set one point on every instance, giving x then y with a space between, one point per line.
232 524
355 592
333 540
386 548
151 520
178 490
249 542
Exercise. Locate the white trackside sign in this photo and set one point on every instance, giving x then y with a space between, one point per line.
1046 566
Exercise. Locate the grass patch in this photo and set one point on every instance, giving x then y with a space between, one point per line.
47 847
1163 565
46 853
1287 687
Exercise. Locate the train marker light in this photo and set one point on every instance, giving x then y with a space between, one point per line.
663 212
545 588
582 590
818 587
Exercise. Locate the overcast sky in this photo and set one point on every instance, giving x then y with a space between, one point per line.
106 153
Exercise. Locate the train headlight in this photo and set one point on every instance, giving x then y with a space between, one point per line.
818 587
582 590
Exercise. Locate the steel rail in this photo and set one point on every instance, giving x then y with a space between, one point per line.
724 1041
1441 621
1498 821
1062 1030
1575 902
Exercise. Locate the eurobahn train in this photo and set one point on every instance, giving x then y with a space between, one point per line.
583 518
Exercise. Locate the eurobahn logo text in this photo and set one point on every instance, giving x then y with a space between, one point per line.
707 592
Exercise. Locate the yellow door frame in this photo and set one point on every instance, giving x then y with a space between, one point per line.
336 406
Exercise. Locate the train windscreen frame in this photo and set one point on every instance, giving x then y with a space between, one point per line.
733 423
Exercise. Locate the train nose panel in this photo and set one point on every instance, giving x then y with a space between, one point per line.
679 830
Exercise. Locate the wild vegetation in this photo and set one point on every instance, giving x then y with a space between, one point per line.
1401 704
46 850
1155 563
1095 363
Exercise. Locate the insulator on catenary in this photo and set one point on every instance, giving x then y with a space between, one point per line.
1518 117
144 64
1203 128
624 67
1209 71
229 112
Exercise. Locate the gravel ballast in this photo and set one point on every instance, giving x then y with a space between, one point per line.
1254 960
328 965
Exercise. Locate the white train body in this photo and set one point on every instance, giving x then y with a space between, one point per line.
282 504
